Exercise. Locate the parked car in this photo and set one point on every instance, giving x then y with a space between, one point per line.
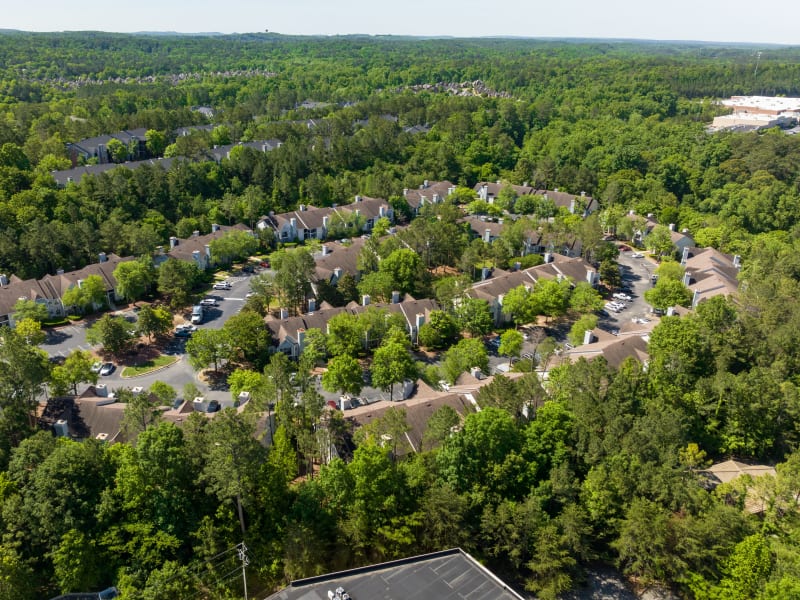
222 285
265 264
621 296
185 330
96 366
107 369
637 255
208 302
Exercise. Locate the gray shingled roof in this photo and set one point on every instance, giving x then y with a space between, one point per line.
447 575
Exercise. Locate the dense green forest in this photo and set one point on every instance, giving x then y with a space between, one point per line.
599 465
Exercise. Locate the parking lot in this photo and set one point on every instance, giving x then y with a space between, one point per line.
636 278
61 341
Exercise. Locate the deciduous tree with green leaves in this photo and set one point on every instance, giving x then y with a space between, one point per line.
511 342
77 368
473 316
392 364
667 293
343 375
154 321
114 333
208 346
30 309
176 280
134 277
463 356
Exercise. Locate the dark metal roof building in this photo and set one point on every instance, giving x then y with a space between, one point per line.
447 575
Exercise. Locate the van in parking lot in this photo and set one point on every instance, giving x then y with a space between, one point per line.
197 314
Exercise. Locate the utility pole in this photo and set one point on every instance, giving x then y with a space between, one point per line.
245 561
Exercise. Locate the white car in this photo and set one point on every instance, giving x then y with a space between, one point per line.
222 285
208 302
621 296
637 255
96 366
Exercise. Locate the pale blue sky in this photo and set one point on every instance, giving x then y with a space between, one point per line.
706 20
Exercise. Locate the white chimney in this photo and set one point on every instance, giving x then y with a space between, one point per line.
365 300
208 250
301 339
548 257
59 271
419 320
358 198
382 211
395 297
173 241
102 257
684 256
484 273
588 337
337 272
243 398
100 390
196 233
3 279
405 191
325 250
214 227
672 226
487 235
737 263
425 184
293 223
517 266
283 313
199 404
695 298
671 311
312 305
302 207
476 372
687 278
61 428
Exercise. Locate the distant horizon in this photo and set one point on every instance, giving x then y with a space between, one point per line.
711 22
169 32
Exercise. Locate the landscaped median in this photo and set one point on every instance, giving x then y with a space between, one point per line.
149 366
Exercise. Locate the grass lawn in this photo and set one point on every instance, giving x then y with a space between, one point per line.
149 365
